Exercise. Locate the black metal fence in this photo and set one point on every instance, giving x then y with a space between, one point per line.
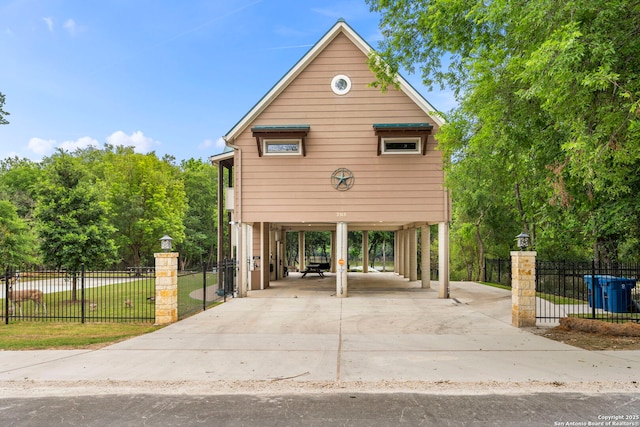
196 290
227 277
199 289
587 289
79 296
498 270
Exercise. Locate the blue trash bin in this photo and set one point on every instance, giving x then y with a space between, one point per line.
594 286
617 294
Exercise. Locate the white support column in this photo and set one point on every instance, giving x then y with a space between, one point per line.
365 251
341 253
244 259
282 255
265 252
443 260
400 269
407 254
413 254
396 252
303 263
425 246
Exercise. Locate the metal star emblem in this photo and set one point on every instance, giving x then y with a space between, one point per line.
342 179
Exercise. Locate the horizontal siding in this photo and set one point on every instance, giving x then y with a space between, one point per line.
387 188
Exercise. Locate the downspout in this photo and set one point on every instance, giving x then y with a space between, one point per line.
239 180
243 279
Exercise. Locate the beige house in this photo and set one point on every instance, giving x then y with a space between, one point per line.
322 150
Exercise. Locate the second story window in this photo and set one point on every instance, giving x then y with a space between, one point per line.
286 140
402 138
282 147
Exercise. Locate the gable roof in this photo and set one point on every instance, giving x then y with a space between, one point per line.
341 27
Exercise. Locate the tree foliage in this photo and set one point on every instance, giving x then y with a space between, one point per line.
3 114
201 190
72 222
145 200
17 242
105 208
546 135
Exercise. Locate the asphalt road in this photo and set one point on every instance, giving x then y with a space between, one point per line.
342 409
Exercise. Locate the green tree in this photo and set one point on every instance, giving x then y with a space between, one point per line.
145 199
71 219
318 245
19 180
17 242
3 113
550 87
201 189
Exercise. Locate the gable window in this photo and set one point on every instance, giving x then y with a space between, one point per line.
410 145
281 140
402 138
282 147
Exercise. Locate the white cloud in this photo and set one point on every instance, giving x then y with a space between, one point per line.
41 146
49 21
44 147
80 143
70 26
137 140
208 143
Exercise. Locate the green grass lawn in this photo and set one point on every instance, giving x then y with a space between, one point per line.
61 336
107 309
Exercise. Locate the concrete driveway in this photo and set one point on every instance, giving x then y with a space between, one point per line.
388 334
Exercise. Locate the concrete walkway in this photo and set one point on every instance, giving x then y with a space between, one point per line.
387 335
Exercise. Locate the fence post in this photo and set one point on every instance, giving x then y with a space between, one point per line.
82 295
204 285
6 294
593 289
166 287
523 288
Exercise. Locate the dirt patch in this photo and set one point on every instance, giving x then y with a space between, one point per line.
591 334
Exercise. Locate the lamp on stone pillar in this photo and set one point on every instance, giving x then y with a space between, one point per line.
523 241
165 243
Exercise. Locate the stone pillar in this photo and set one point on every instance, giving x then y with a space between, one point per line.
425 245
523 288
166 287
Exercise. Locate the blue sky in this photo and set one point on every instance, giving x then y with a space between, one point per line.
160 75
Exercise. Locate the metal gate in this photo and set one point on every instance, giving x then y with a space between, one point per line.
201 288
